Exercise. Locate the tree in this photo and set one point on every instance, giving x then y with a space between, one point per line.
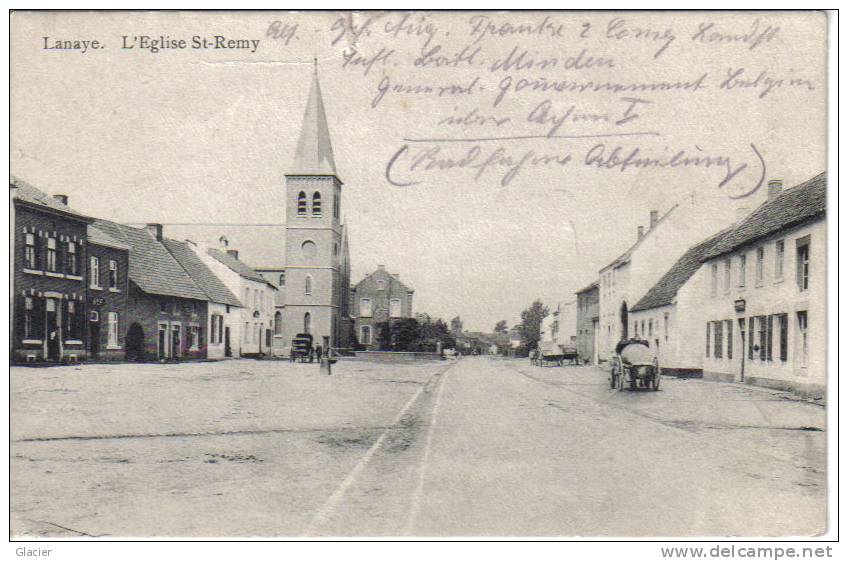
531 324
501 327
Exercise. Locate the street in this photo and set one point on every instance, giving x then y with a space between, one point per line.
478 446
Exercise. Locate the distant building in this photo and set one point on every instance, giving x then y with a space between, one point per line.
48 282
559 326
377 299
587 324
764 291
257 295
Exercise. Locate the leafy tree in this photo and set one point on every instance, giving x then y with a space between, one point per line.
531 324
501 327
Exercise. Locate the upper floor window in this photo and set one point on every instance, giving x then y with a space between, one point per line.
743 260
307 285
282 279
94 272
246 298
301 204
51 254
779 251
336 205
365 307
381 284
71 267
113 274
30 256
727 275
761 254
394 308
316 204
803 262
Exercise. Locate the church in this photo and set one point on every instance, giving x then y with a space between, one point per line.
315 281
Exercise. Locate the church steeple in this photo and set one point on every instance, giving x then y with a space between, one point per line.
314 155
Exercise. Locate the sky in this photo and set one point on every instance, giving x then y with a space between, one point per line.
198 137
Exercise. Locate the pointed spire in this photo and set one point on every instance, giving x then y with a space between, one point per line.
314 155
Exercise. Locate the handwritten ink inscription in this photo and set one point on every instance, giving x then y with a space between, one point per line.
495 97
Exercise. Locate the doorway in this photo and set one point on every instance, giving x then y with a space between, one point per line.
176 339
228 349
54 349
595 331
94 337
162 345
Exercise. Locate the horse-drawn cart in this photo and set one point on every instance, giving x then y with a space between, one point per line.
301 349
549 352
634 365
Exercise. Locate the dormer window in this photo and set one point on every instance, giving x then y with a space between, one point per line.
301 204
316 204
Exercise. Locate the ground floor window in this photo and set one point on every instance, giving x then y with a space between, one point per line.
29 318
248 333
194 337
112 324
216 334
707 350
365 337
803 340
761 336
278 323
72 321
718 339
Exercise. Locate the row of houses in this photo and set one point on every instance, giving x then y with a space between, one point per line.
747 304
88 288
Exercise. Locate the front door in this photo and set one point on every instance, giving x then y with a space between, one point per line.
163 342
54 350
228 349
94 338
176 339
744 350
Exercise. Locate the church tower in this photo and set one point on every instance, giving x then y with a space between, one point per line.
315 263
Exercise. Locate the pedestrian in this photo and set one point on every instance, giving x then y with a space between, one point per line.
319 352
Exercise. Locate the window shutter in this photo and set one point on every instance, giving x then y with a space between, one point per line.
20 312
769 339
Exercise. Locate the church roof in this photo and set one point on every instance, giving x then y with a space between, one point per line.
314 154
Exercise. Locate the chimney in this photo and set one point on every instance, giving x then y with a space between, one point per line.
233 253
155 230
61 198
654 218
640 231
381 267
774 188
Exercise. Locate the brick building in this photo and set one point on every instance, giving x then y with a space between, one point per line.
107 289
167 311
48 307
376 299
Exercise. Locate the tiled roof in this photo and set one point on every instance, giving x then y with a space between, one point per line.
235 265
152 267
625 257
200 273
27 193
592 286
99 237
663 293
790 208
